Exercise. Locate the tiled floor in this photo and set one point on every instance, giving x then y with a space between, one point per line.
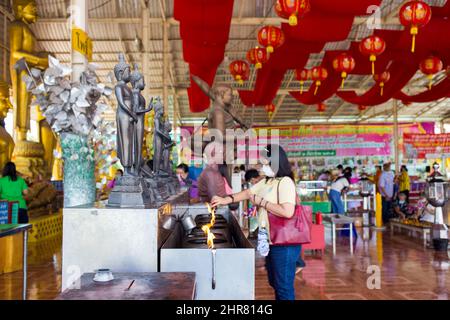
408 271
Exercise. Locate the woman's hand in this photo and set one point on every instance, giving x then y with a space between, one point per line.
219 201
255 200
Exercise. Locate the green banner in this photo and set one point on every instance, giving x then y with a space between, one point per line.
313 153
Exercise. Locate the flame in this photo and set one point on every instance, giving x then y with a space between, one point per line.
207 227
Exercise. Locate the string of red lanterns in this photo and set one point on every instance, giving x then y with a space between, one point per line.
318 75
381 79
321 107
271 37
292 9
270 109
302 75
372 46
430 66
415 14
257 56
344 63
240 70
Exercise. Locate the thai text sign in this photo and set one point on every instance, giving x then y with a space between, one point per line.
418 146
82 43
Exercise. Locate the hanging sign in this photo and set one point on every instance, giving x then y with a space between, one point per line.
421 146
82 43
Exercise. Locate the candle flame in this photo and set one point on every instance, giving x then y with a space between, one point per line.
207 227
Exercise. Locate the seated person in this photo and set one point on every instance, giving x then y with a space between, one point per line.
425 211
252 176
182 172
211 182
402 208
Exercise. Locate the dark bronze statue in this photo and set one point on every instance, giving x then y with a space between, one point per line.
160 138
139 110
126 119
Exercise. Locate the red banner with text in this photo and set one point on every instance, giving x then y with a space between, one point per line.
421 146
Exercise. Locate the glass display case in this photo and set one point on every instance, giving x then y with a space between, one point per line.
354 200
314 194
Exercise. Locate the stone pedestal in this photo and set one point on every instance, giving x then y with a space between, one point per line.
95 237
131 191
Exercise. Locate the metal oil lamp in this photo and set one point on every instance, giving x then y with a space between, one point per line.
437 193
366 188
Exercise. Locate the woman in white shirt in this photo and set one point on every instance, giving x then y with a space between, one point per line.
338 185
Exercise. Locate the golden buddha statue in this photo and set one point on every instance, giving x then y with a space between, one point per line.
48 139
28 156
6 141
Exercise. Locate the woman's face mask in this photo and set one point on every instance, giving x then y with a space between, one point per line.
267 170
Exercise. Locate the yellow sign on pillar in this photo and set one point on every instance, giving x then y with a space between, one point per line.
82 43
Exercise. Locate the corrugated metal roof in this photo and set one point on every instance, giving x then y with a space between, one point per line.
107 44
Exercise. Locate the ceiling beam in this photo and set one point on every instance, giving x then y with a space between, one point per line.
236 21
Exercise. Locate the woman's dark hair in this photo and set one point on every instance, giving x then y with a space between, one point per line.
120 170
251 174
242 167
10 171
223 170
184 167
279 161
403 167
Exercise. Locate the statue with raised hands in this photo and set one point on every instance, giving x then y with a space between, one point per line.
139 110
220 116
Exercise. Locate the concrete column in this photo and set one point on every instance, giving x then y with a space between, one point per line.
79 19
396 151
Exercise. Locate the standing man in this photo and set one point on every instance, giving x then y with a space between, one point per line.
386 188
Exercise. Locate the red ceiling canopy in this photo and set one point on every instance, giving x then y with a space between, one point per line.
205 25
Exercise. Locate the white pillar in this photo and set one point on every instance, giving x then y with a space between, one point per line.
396 151
79 19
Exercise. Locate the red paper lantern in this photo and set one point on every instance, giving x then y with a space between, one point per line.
344 63
414 14
271 37
257 56
318 74
302 75
372 46
321 107
240 70
292 9
430 66
362 108
270 108
381 79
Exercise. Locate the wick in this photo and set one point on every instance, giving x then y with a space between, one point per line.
132 282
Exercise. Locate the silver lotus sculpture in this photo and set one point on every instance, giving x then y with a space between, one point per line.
72 107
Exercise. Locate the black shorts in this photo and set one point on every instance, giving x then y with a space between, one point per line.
23 216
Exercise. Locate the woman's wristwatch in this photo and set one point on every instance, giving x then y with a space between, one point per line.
232 198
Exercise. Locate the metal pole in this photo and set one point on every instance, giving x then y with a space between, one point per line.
146 49
396 151
79 19
444 158
25 253
165 66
